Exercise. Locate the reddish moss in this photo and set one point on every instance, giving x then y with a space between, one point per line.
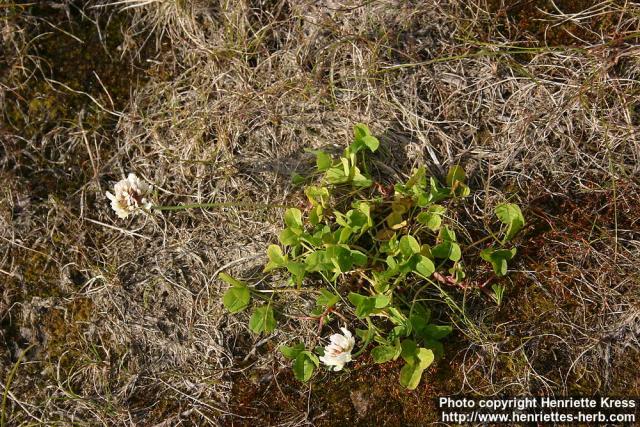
529 20
366 394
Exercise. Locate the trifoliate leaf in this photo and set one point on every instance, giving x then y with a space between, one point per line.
366 305
288 237
510 215
411 373
409 246
447 234
360 130
293 218
498 258
323 161
432 217
276 258
385 353
231 280
317 195
447 250
436 332
236 298
262 320
304 365
327 298
425 266
371 142
293 351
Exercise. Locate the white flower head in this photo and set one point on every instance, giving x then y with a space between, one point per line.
130 196
338 353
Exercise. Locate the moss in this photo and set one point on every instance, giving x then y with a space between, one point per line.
40 275
39 106
530 20
64 324
63 350
349 397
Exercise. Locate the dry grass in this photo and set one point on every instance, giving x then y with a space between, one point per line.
217 101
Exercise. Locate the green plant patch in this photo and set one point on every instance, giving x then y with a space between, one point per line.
397 246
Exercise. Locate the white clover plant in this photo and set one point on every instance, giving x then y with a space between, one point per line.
396 243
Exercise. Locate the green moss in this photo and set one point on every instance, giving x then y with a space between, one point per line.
88 62
40 276
63 326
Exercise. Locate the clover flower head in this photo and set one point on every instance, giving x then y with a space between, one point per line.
338 352
130 196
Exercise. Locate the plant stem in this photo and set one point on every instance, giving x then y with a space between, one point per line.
485 238
371 328
277 291
8 384
218 205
